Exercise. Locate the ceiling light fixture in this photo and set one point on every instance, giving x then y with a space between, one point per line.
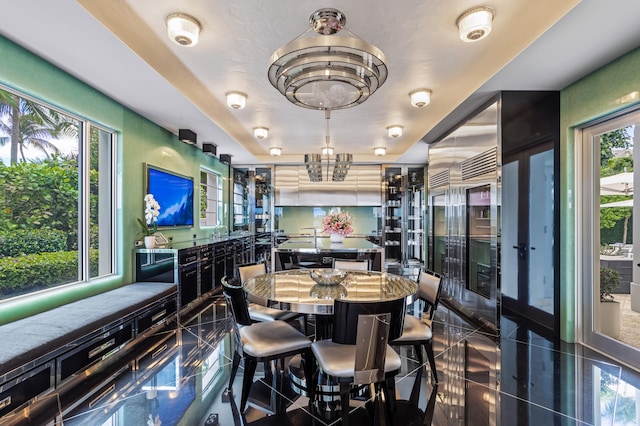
236 100
420 97
314 162
327 71
275 151
475 23
183 29
209 149
187 136
260 132
394 131
380 151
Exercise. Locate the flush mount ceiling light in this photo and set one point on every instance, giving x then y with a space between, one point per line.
183 29
475 23
380 151
236 100
420 97
275 151
327 71
314 162
260 132
394 131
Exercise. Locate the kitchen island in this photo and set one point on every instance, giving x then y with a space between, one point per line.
319 252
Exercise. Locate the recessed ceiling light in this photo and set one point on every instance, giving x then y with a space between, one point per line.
260 132
394 131
420 97
380 151
236 100
183 29
475 23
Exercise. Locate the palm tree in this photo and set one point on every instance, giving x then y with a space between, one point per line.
36 125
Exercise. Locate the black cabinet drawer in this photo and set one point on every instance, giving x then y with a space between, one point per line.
187 256
156 315
93 351
156 353
15 393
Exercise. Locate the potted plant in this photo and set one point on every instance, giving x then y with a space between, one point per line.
150 223
609 307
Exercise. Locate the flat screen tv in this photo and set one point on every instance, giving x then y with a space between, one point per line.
174 193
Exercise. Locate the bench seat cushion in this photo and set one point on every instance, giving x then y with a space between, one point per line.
31 338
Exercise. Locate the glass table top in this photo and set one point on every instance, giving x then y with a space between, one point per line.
296 291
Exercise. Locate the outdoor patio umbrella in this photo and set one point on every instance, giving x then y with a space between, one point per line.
620 184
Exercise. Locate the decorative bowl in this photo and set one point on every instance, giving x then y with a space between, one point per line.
328 292
328 276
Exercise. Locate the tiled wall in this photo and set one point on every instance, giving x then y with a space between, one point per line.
292 219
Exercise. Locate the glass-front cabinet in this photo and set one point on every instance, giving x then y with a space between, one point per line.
404 213
240 197
393 219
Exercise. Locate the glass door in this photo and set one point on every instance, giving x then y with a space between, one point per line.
608 270
528 235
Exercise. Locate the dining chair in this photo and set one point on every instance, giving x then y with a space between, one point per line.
259 313
360 355
356 265
416 332
271 341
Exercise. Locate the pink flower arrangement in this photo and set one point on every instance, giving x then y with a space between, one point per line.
337 222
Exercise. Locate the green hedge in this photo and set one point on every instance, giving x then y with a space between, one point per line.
22 274
21 242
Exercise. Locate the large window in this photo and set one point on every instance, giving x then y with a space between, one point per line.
56 186
210 198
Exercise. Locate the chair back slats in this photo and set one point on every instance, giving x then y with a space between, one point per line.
429 288
251 270
371 348
236 298
346 313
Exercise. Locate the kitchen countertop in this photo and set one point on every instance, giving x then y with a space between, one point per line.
323 244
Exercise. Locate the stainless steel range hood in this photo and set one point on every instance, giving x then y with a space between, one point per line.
361 187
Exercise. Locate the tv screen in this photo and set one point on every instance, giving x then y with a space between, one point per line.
174 193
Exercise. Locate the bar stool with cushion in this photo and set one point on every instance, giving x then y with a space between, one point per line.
357 265
360 355
259 313
416 332
262 342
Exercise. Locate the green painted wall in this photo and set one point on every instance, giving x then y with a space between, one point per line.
292 219
584 101
138 141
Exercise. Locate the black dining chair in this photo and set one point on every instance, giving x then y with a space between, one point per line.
259 313
271 341
416 332
360 355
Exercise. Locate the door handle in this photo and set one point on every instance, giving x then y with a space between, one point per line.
522 250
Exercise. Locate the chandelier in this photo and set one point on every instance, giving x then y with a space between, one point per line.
327 71
315 162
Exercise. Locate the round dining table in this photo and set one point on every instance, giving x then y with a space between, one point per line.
296 291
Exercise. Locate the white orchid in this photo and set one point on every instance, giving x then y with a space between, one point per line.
151 213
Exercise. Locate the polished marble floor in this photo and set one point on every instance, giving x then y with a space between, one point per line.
178 374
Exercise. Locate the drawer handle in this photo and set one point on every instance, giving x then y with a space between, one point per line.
101 348
159 351
98 398
158 315
5 402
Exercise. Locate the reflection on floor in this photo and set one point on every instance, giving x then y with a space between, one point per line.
177 377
